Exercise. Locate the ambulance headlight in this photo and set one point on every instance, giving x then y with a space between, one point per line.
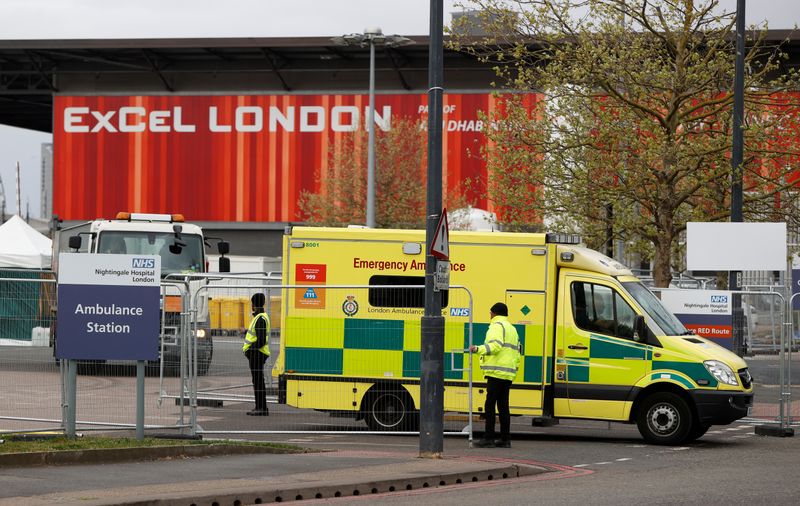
722 372
200 333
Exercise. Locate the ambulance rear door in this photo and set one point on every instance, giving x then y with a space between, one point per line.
527 310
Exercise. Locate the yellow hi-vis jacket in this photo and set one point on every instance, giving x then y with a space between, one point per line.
500 351
250 337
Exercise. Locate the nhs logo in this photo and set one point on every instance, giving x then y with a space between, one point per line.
459 311
143 263
719 299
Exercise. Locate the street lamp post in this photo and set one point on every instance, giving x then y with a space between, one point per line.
735 277
372 36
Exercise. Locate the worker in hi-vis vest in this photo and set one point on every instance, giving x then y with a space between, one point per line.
499 362
256 349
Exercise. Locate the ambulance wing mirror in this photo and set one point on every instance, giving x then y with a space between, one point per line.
639 329
223 247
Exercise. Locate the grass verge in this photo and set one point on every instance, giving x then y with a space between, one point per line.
30 444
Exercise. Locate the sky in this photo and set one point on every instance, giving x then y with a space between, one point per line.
65 19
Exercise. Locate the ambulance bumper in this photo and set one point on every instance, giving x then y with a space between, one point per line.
721 408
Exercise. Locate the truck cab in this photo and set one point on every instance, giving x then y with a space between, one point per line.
181 247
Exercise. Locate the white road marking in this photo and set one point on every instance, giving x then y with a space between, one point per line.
624 459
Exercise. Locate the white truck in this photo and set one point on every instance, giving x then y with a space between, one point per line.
182 249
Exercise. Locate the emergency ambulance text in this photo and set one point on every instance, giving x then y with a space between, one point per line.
399 265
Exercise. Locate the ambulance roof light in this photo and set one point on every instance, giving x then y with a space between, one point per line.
562 238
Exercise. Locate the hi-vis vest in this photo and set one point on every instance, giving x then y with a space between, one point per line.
250 338
500 352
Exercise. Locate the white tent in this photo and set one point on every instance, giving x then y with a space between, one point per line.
22 246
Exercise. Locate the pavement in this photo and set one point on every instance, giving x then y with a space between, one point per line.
215 477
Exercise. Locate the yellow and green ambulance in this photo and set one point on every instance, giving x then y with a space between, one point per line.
596 343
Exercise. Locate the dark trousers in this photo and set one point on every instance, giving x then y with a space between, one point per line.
257 360
497 393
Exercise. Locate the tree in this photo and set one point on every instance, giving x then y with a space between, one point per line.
632 135
400 176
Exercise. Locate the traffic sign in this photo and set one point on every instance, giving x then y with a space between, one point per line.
440 246
441 278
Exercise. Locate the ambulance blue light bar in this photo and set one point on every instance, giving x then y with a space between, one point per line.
562 238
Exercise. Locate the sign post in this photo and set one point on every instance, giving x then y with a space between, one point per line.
108 309
431 356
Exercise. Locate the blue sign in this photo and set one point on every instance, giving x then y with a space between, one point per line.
796 288
108 307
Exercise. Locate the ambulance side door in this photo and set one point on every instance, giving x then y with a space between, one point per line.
598 362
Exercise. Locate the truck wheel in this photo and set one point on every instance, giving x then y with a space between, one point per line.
204 362
664 419
390 410
90 367
203 366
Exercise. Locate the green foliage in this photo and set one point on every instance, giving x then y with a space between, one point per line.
633 129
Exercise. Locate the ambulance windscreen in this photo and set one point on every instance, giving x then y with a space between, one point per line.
668 322
400 291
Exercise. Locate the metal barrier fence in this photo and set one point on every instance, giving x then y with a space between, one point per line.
349 365
30 382
33 394
769 338
183 395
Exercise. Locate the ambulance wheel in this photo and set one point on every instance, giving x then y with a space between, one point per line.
664 419
698 430
390 410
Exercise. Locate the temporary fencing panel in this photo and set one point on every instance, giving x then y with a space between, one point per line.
29 375
33 382
768 343
351 362
344 358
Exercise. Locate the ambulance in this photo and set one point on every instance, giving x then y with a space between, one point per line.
596 343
